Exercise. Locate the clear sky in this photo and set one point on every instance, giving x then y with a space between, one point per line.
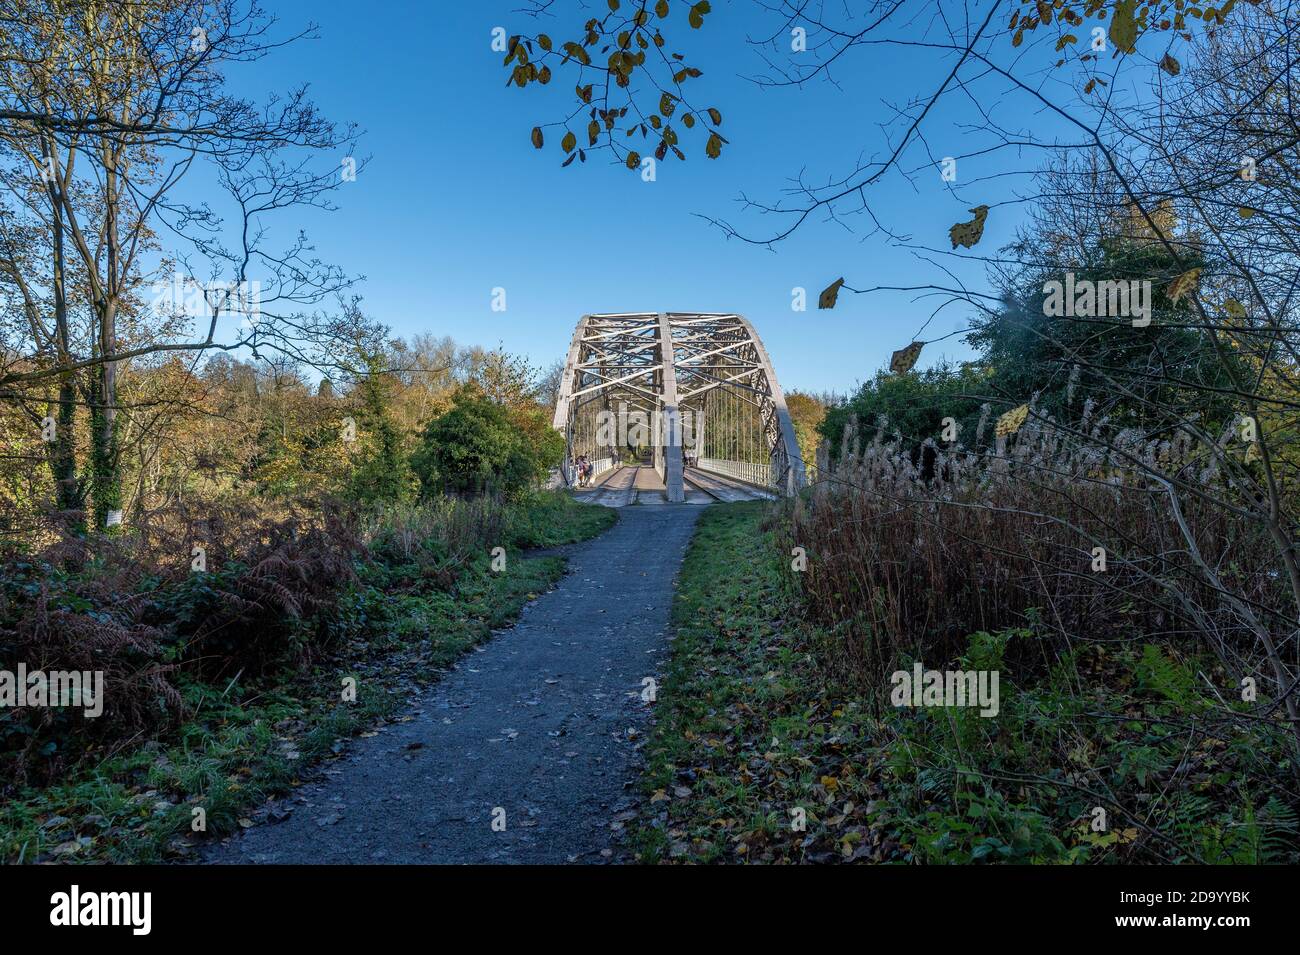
456 202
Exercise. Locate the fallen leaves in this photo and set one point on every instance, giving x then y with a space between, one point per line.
722 785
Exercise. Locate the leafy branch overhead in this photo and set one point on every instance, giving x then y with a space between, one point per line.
622 50
1128 20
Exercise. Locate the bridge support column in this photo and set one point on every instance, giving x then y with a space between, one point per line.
675 488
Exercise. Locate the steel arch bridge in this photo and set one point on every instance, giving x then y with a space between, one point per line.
694 393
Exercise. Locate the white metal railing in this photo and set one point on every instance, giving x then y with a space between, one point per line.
760 474
598 467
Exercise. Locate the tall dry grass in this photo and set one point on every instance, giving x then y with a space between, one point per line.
910 551
448 526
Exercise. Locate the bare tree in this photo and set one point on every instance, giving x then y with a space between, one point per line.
110 107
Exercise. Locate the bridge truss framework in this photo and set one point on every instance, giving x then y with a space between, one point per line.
692 376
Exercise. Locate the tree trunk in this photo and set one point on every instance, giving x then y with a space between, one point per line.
63 450
105 459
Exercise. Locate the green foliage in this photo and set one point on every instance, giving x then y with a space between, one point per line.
1171 679
384 472
1122 368
914 405
1060 362
806 413
550 518
987 827
105 473
988 650
480 445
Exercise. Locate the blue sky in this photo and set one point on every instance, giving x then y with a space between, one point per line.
456 202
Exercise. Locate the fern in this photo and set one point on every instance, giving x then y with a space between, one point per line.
1160 673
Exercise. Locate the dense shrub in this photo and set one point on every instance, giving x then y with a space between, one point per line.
912 405
480 445
1025 352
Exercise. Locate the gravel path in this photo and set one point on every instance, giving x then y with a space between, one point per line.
544 721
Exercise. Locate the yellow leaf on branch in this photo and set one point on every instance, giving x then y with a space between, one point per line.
1010 422
902 360
830 294
1185 283
966 234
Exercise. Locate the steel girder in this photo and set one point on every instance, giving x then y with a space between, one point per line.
665 363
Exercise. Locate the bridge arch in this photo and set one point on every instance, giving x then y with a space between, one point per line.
696 391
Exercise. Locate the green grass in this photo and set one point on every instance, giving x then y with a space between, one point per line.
243 744
755 729
547 520
744 732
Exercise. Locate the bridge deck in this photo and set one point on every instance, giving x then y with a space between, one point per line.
724 488
641 484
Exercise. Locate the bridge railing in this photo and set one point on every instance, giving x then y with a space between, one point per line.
598 467
761 474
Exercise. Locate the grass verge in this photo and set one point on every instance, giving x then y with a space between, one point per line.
764 750
246 743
